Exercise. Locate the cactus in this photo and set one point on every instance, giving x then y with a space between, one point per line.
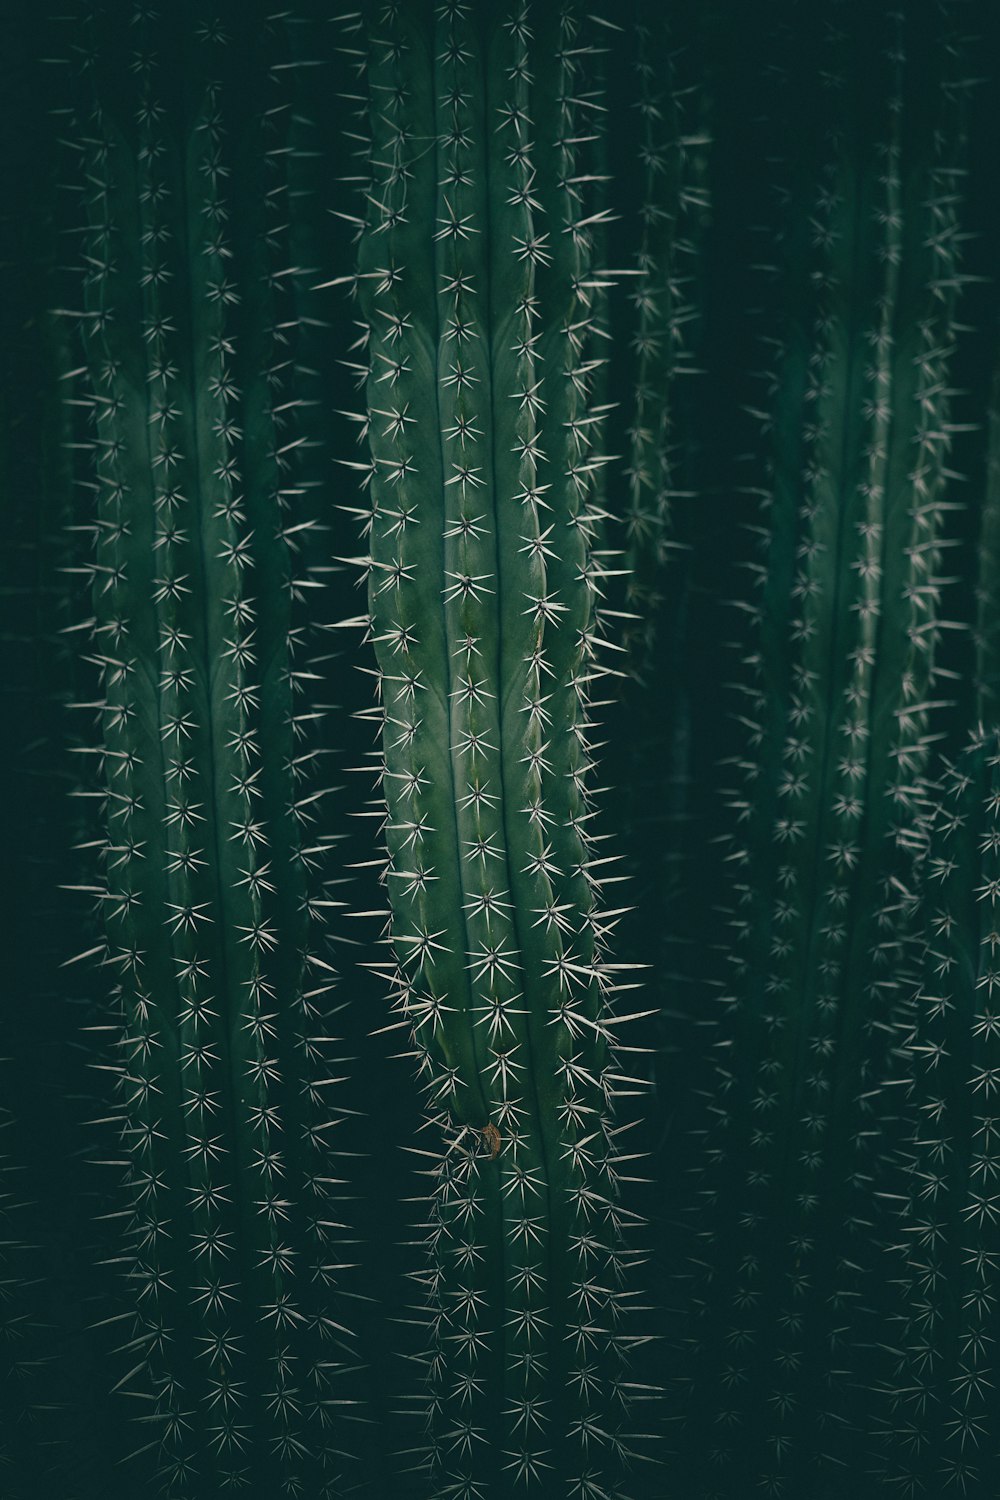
191 1162
672 155
210 882
940 1391
987 632
482 602
659 103
840 711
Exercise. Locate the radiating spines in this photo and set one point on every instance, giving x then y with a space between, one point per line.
227 1110
408 624
935 1416
838 719
136 794
544 771
672 150
298 807
744 1163
420 523
482 611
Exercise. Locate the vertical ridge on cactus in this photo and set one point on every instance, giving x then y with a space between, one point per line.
481 612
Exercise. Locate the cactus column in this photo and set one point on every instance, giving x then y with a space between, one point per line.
937 1425
473 276
842 704
231 1241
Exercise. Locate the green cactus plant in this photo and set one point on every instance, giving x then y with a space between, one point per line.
659 148
482 604
210 882
935 1428
186 1179
839 707
672 212
987 628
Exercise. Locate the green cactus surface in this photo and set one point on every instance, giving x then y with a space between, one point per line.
482 614
840 705
235 1348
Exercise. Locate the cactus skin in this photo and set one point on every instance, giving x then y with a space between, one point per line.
231 1245
55 1434
987 630
839 708
672 212
659 155
481 614
941 1391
